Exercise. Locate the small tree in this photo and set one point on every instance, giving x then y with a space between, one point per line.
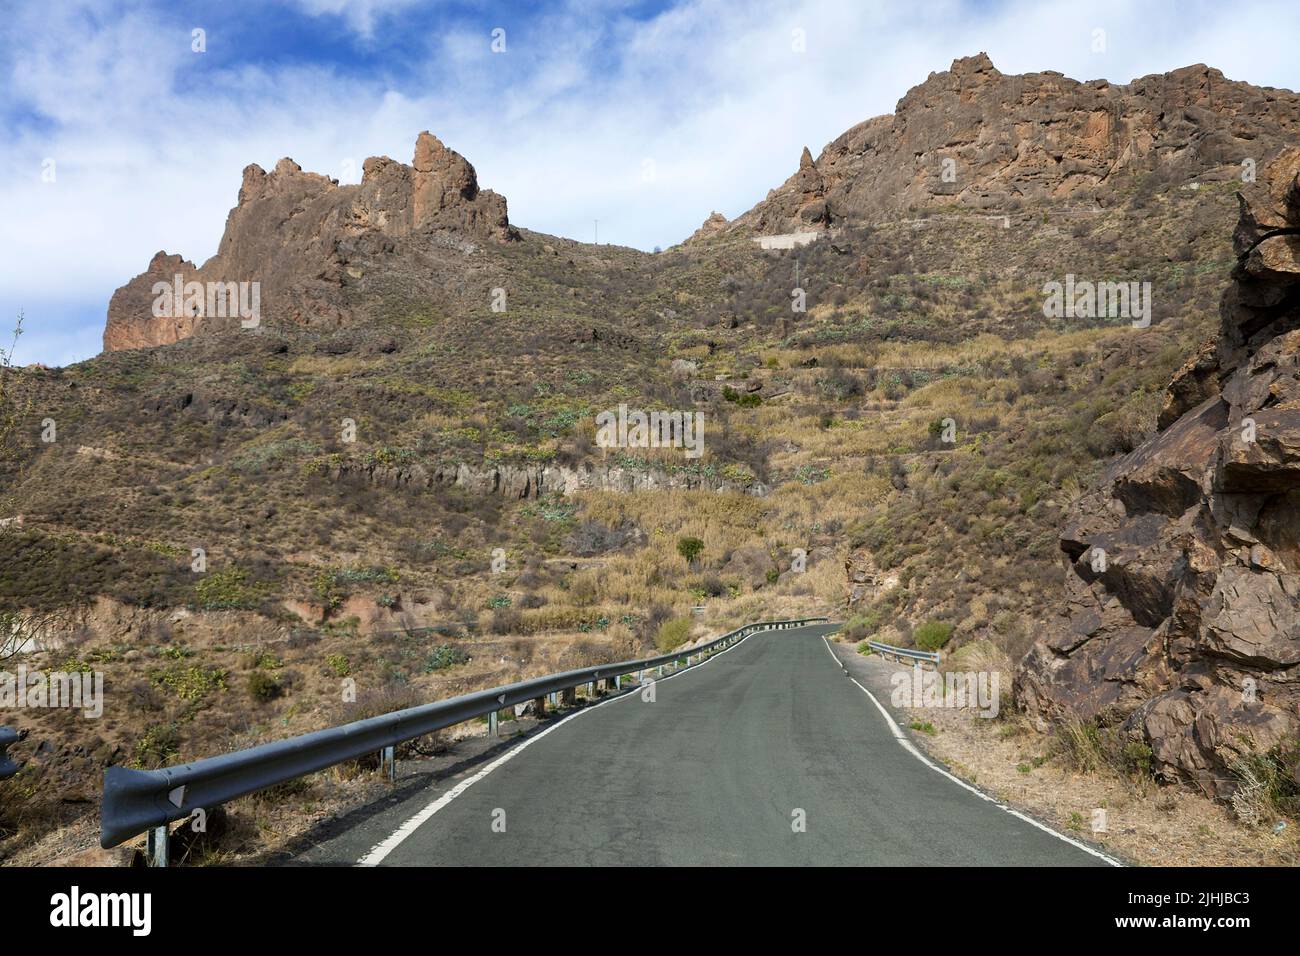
690 549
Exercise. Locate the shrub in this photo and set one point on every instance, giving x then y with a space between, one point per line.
864 625
932 635
190 684
1266 786
710 585
444 655
1088 747
690 548
673 633
225 589
158 746
263 686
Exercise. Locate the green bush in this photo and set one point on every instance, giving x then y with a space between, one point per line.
932 635
224 590
673 633
690 548
444 655
263 686
190 684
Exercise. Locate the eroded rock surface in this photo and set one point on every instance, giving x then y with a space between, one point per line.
973 136
1182 615
324 253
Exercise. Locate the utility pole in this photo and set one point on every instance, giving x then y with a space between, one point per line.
596 242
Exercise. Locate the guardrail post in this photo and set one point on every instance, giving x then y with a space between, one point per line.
539 707
618 681
591 690
492 724
159 849
569 696
388 762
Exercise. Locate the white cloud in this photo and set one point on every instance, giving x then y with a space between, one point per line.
149 151
360 15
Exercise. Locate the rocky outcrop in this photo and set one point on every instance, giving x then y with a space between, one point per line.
537 481
307 242
132 323
715 224
1182 615
973 136
866 581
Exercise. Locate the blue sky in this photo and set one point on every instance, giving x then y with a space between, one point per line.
646 116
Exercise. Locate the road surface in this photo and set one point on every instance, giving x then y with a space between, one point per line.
767 754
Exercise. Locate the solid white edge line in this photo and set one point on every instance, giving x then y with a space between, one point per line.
915 752
380 851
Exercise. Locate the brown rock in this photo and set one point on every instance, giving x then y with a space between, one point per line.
1036 136
132 323
303 240
1189 637
1192 384
715 224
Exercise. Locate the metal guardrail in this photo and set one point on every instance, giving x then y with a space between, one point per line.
904 653
136 801
7 767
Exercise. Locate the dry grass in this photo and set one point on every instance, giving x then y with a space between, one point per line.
1145 824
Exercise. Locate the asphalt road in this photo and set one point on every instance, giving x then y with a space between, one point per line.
720 769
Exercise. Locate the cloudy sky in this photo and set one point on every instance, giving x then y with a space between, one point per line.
119 139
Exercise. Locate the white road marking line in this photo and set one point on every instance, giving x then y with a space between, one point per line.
912 749
380 851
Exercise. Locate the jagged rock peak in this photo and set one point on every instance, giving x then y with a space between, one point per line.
297 235
974 136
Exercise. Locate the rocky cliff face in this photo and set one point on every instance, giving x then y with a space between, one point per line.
308 241
974 136
1182 622
537 481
